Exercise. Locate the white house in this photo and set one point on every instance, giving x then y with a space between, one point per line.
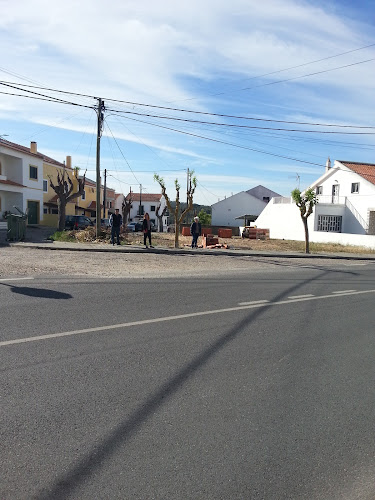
345 212
21 180
232 211
147 203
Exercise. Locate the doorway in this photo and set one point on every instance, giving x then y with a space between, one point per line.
33 212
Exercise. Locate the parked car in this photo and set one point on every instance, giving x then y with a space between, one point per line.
77 222
134 226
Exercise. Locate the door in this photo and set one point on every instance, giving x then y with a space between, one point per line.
33 212
335 193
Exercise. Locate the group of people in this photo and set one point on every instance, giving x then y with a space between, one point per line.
115 222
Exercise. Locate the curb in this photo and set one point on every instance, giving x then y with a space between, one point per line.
79 247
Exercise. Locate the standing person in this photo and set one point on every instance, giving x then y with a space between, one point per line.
147 230
195 231
115 222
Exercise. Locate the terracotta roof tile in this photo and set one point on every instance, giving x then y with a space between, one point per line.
365 170
12 183
145 197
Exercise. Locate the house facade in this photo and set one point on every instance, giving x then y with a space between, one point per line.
232 211
21 180
147 202
51 169
345 212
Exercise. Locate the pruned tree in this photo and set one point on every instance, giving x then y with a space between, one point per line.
160 216
305 202
189 192
64 189
125 208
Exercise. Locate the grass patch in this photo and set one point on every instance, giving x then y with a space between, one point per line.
62 236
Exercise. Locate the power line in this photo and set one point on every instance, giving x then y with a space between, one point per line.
232 125
287 69
225 142
131 170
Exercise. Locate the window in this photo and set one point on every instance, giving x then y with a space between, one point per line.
152 221
319 189
330 223
355 187
266 199
83 197
45 186
33 172
110 204
152 208
45 210
54 211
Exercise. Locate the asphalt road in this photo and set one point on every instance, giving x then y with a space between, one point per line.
256 386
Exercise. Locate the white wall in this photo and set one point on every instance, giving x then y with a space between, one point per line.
284 222
224 212
15 166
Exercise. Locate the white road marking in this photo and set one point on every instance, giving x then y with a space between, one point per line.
173 318
301 296
253 302
344 291
15 279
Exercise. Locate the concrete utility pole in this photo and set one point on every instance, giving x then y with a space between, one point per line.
100 113
140 200
105 191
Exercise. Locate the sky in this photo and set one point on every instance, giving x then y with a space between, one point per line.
199 85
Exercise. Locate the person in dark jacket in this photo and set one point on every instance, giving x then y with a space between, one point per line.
147 230
115 222
195 231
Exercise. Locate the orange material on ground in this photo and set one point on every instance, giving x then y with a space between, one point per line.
224 233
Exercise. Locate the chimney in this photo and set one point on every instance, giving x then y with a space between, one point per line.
33 147
328 164
68 162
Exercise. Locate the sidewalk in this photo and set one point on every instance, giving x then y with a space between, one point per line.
107 248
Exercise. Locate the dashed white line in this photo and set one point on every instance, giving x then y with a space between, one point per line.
344 291
252 302
301 296
176 317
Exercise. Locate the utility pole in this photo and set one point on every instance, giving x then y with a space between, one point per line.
140 200
105 191
187 190
100 113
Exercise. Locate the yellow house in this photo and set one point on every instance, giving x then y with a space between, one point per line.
51 168
86 204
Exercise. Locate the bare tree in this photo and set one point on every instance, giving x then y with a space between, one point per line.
160 216
64 190
126 207
305 202
178 216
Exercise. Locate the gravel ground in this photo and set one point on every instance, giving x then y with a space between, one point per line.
17 261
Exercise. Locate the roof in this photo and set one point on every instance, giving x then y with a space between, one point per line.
144 197
365 170
26 150
12 183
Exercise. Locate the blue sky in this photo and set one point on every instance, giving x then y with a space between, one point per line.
235 58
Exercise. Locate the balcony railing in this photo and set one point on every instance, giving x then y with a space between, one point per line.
282 199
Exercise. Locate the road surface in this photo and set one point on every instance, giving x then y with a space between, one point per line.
253 385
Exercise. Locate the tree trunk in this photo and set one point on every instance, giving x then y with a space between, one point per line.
62 211
307 246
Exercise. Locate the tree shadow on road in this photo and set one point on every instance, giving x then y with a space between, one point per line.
41 293
93 461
